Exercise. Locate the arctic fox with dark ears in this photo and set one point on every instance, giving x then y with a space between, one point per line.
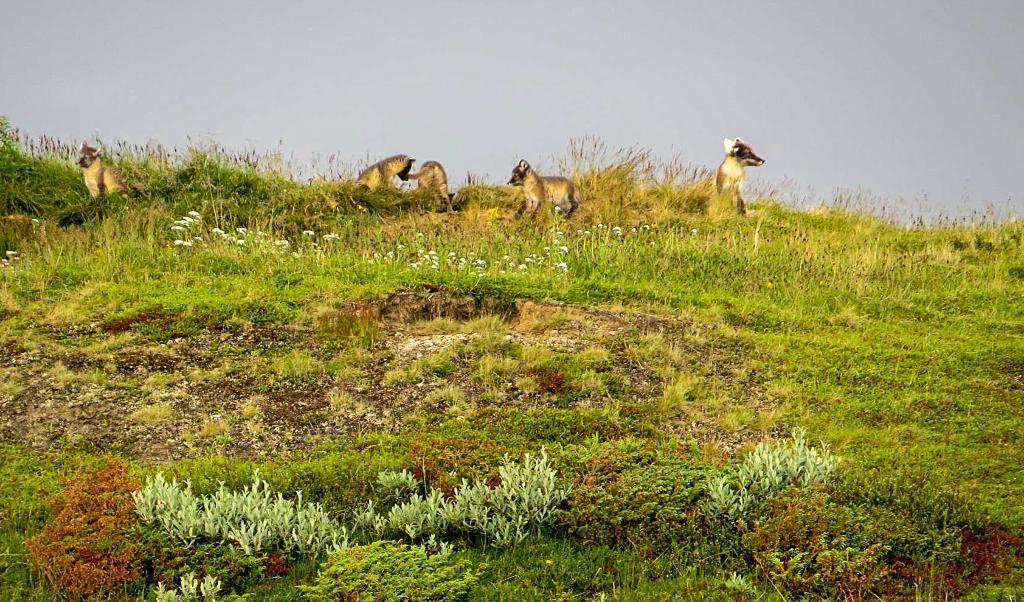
731 173
99 178
382 172
540 189
432 176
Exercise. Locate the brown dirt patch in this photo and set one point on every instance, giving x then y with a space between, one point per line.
156 400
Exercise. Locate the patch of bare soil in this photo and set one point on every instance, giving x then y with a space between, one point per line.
433 355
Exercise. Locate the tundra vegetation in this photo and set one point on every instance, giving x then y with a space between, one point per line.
234 383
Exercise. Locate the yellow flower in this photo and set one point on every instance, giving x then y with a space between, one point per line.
549 562
769 285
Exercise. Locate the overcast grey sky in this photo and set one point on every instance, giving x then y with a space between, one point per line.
904 99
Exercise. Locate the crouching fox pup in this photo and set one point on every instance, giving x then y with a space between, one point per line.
738 156
382 172
538 189
431 176
99 179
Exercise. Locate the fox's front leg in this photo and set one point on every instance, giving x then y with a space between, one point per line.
534 207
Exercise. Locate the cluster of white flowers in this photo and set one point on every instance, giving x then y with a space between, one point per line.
186 227
617 231
230 237
553 258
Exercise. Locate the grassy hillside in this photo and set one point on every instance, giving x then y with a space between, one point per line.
223 317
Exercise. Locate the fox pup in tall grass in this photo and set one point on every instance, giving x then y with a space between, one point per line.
731 173
539 189
99 178
431 176
382 172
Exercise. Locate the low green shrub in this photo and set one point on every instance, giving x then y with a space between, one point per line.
168 561
387 570
809 545
649 504
563 426
915 495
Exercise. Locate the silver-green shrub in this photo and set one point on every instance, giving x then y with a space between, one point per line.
522 503
190 588
397 483
255 519
740 585
767 471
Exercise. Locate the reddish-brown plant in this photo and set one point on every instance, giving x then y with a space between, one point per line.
84 549
432 460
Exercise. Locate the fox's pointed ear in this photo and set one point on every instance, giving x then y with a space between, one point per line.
99 150
523 164
85 145
727 144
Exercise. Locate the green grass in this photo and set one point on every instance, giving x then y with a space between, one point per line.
902 348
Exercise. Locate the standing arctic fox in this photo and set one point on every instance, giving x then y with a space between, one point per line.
99 179
382 172
431 176
538 189
738 156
